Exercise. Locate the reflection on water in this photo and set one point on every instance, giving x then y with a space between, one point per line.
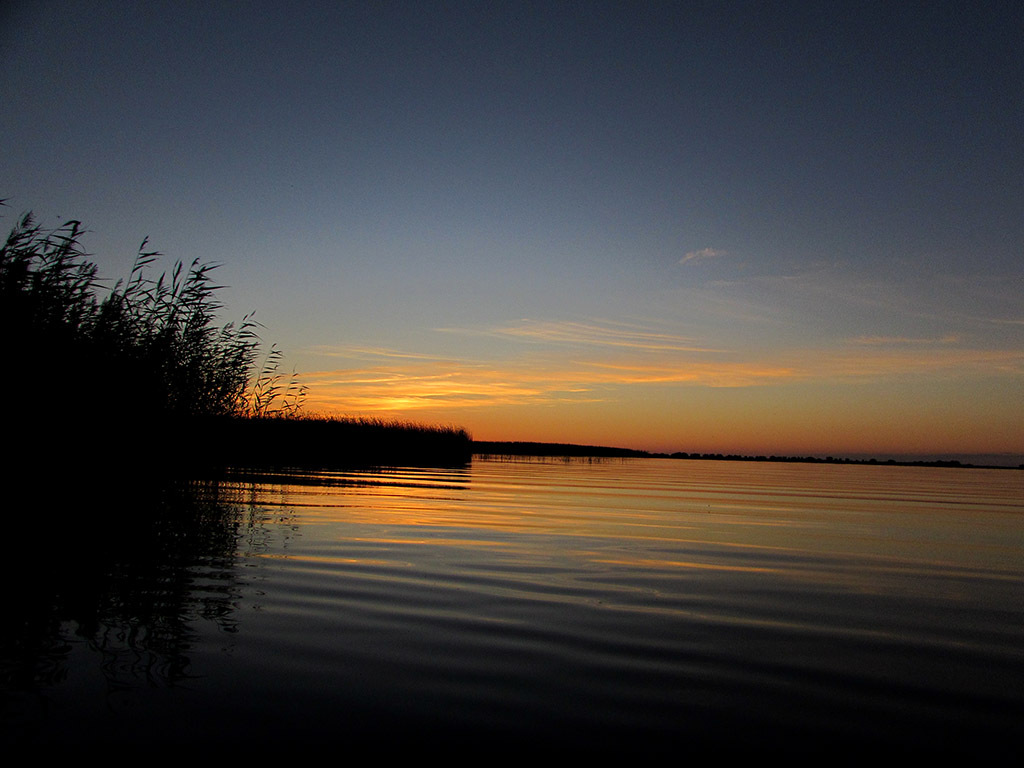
110 596
648 603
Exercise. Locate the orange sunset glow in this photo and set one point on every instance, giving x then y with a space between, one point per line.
748 230
619 379
593 384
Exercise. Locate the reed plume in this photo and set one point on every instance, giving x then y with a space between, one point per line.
142 375
149 342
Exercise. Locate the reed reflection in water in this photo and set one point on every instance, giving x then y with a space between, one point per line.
641 604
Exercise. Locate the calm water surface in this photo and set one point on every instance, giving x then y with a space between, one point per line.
619 605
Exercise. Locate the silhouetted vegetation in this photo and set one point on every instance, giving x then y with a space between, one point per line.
142 377
500 450
150 344
326 442
950 463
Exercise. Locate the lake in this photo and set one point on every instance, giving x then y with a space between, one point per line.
606 607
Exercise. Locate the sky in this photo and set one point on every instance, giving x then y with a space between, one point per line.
760 228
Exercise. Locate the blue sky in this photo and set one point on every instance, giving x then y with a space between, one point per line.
680 226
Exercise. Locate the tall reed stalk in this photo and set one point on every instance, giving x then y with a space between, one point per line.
147 345
141 375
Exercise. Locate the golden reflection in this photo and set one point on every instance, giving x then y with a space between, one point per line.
647 563
647 527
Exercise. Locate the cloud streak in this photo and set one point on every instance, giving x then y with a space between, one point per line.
702 255
367 353
419 386
395 383
593 334
951 338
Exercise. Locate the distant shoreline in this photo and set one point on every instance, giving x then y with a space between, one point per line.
571 450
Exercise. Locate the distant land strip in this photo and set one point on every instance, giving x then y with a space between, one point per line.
498 449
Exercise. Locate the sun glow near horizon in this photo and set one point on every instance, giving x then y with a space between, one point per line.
594 383
659 230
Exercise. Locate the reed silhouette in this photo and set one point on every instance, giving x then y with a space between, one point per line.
141 376
325 442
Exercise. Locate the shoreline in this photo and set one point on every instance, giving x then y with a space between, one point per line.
498 449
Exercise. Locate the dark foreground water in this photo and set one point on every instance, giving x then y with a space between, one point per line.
620 606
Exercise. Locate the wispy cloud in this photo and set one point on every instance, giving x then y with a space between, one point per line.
599 359
417 386
395 384
594 333
951 338
897 361
349 352
702 373
1003 321
702 255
